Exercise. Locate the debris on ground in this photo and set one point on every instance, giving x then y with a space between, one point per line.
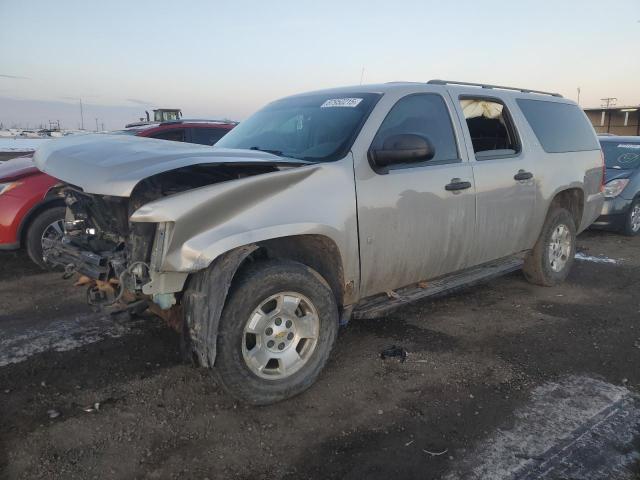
53 413
436 454
92 408
95 407
394 351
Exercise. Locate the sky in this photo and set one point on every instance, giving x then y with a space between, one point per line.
217 59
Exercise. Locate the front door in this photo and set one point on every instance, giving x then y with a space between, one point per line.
415 221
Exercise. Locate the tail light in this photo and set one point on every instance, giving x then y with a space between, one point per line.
604 171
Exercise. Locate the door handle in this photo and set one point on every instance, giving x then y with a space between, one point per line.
457 184
522 175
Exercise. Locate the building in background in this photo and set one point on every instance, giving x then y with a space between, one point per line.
615 120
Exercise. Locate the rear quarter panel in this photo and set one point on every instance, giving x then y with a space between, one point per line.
556 172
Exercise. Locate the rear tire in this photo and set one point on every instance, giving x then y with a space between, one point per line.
549 262
632 221
293 313
49 221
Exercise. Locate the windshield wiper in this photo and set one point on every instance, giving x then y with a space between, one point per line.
274 152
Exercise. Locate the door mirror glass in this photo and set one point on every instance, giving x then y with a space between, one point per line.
402 148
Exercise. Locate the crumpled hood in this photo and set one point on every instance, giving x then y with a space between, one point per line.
616 173
17 168
114 164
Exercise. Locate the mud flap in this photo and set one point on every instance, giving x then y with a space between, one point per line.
203 302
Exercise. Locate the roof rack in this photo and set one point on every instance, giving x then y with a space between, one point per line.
484 85
198 120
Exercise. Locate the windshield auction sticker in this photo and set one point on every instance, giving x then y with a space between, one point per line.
341 102
629 145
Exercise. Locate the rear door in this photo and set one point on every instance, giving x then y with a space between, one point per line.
504 173
416 221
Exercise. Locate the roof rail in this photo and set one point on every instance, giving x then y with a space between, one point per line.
484 85
198 120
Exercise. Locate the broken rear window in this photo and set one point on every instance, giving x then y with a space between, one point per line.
316 127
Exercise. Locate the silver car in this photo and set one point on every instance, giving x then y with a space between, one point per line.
321 207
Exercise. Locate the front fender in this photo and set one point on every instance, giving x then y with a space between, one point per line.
209 221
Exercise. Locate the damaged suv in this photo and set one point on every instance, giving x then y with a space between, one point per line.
322 207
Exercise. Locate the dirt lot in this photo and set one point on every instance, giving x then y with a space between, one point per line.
504 380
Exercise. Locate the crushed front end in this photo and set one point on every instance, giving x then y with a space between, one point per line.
110 254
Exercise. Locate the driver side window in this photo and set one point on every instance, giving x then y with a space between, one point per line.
423 114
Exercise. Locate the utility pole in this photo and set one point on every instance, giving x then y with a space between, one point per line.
608 102
96 125
81 116
578 96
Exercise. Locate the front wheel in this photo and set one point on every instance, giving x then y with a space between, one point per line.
276 332
48 224
552 256
632 222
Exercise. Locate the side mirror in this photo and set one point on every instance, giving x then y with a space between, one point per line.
402 148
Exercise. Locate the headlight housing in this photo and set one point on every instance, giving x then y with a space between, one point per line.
615 187
5 187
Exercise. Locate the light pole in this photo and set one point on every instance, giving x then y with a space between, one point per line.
81 116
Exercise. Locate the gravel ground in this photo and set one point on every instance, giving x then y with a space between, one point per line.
503 380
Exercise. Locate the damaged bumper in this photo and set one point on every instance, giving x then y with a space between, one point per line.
112 256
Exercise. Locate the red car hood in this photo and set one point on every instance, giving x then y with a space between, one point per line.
17 168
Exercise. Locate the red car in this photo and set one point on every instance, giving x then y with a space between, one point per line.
29 213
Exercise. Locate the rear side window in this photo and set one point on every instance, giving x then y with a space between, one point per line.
424 114
559 127
490 127
207 136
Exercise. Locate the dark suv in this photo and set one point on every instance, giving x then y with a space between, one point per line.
621 210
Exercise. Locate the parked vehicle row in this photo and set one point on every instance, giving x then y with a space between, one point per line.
30 212
322 207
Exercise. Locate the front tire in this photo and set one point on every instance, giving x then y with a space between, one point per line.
277 329
632 222
50 224
549 262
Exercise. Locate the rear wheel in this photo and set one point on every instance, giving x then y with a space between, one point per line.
552 256
276 332
48 224
632 222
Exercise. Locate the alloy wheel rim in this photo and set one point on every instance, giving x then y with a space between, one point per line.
280 335
635 218
559 247
54 231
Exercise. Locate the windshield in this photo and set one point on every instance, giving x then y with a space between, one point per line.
621 155
317 128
